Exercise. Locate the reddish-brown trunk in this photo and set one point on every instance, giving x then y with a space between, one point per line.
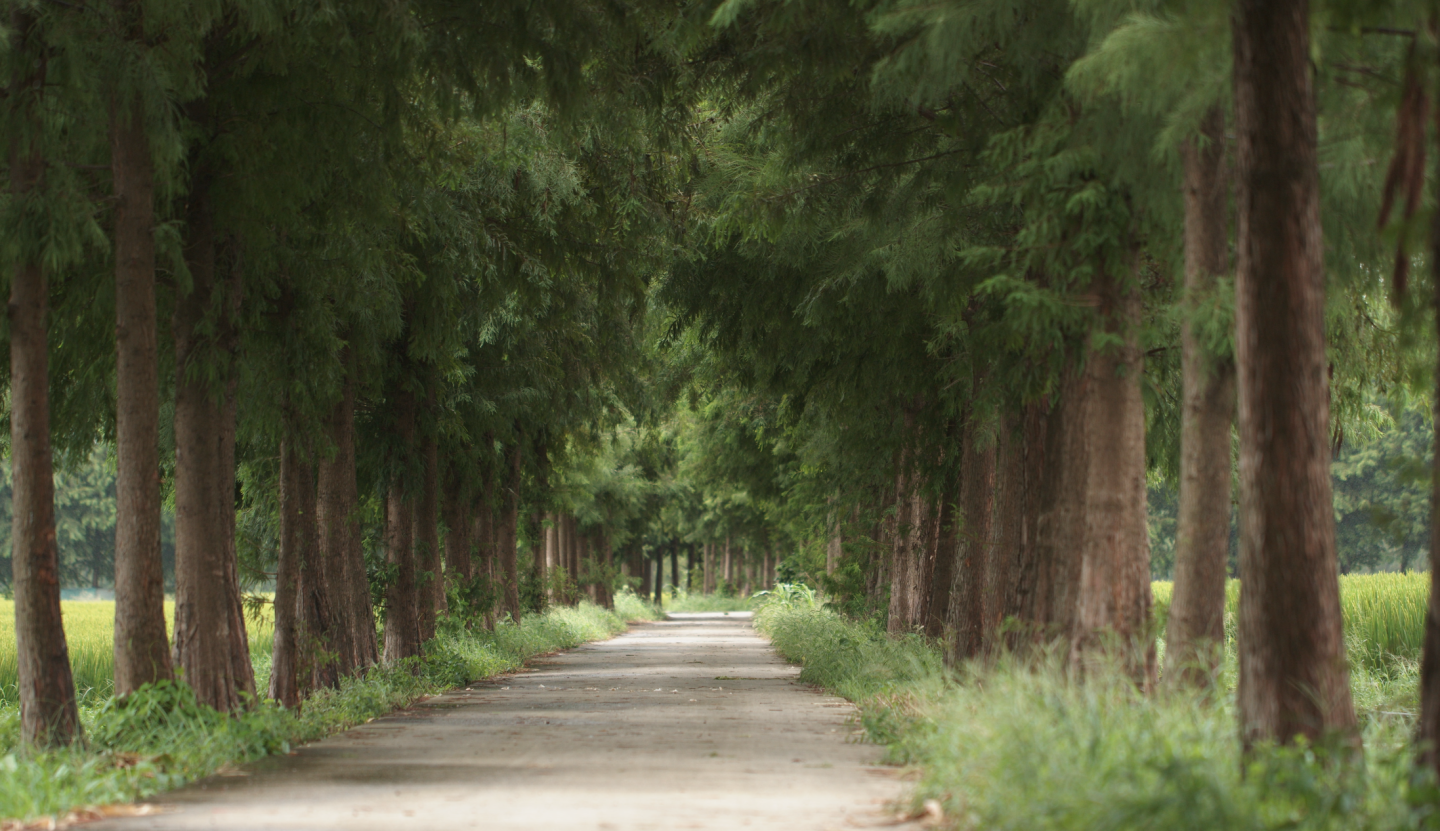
429 579
1293 678
48 712
505 543
977 511
459 529
319 664
402 625
1022 594
1194 643
142 646
284 657
1007 529
1427 733
1113 598
337 504
899 537
204 586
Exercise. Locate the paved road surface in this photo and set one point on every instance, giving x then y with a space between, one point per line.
687 723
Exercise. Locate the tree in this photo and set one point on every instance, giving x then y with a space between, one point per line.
1293 677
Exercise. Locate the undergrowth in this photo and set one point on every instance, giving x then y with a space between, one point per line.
1012 745
160 737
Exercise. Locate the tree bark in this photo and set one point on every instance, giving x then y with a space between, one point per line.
429 578
402 607
659 581
1427 733
284 657
142 646
402 622
458 531
48 712
1113 602
674 567
1293 678
1194 644
977 512
1021 595
1007 531
203 493
898 532
509 520
316 618
336 510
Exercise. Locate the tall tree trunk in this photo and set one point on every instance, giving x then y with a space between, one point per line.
1113 601
354 630
48 712
1194 644
429 579
509 521
1293 678
674 567
402 621
1026 588
284 655
228 332
607 562
659 580
947 563
834 543
1061 522
402 607
203 582
459 527
1008 531
898 533
1427 733
316 619
690 564
977 512
142 646
727 558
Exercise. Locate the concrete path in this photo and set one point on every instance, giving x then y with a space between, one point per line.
692 722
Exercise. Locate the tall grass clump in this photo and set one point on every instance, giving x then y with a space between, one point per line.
161 737
1012 744
889 679
1024 747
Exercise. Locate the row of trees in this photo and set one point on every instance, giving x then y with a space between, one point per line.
936 287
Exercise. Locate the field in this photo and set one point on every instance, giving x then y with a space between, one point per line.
89 633
1384 615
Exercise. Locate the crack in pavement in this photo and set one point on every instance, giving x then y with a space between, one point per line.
692 722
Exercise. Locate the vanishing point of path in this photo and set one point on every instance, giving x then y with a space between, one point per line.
692 722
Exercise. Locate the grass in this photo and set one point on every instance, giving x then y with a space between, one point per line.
1384 615
1011 745
160 738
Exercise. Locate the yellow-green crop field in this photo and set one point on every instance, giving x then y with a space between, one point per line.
1384 613
89 633
1384 619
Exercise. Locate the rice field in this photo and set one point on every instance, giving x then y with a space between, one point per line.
1384 614
89 634
1384 621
